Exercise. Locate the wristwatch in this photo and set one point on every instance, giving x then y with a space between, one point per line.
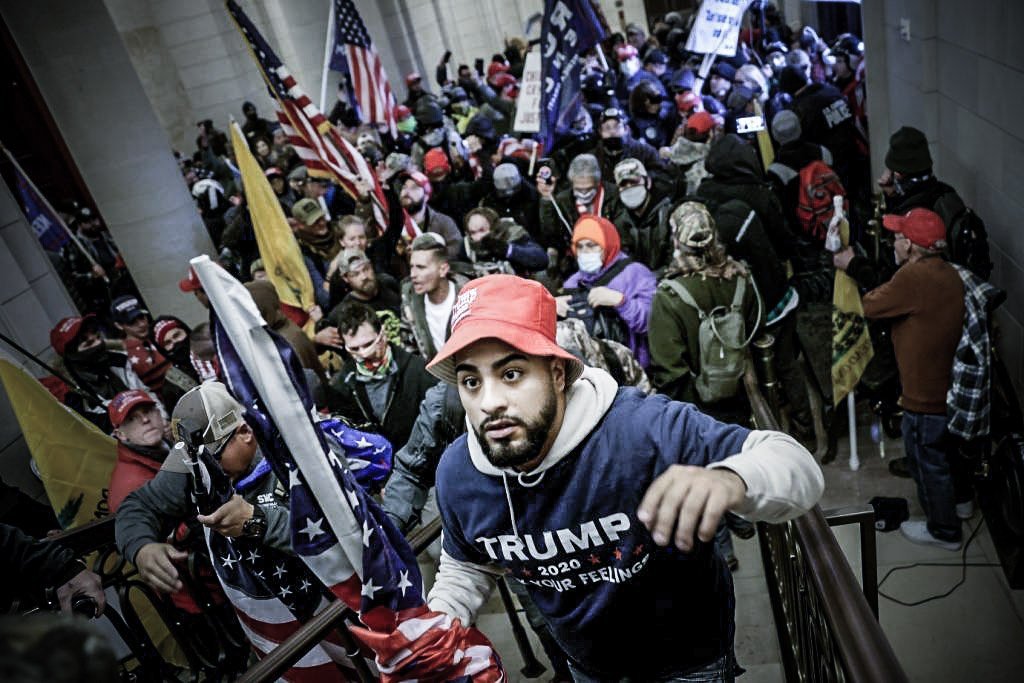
255 526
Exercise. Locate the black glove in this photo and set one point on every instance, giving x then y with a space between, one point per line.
492 247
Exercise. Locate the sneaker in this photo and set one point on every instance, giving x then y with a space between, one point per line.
965 510
917 532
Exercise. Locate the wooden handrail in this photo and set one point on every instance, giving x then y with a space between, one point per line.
863 646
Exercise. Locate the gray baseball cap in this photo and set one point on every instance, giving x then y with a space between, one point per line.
507 179
350 259
210 411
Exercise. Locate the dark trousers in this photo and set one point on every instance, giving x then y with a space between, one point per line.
928 444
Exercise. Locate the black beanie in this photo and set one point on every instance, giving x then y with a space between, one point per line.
792 79
908 152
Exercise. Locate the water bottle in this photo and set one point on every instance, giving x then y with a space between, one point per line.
833 242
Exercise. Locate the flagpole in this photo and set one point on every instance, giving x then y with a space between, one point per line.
328 49
43 199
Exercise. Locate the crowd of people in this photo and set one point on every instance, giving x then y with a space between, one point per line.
682 215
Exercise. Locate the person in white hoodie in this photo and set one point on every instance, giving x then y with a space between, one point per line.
604 501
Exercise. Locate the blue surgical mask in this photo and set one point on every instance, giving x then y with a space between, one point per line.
590 262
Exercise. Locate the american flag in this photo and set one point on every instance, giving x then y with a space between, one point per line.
355 55
322 149
338 531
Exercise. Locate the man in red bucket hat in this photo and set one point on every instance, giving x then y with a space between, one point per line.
603 501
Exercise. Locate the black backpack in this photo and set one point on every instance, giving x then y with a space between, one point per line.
601 322
966 237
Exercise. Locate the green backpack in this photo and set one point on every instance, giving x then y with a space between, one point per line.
722 342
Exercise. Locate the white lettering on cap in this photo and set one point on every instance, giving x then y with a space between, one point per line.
462 307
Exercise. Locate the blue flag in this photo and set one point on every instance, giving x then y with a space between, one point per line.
570 29
47 226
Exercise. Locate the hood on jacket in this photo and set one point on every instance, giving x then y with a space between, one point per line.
601 231
730 159
268 303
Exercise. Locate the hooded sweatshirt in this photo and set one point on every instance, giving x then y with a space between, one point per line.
269 305
617 603
737 174
636 283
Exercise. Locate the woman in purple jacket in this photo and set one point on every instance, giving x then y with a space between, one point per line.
609 290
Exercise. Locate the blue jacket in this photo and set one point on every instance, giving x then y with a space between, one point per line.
617 603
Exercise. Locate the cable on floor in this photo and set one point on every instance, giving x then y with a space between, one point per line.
963 564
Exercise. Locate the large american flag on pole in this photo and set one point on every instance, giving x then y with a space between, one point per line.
338 531
321 148
355 55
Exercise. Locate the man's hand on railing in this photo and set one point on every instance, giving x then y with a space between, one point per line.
686 499
155 562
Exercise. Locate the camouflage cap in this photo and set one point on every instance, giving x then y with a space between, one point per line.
308 211
693 226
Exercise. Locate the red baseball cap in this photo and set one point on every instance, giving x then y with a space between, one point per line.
190 283
402 112
435 160
701 122
483 311
123 403
686 101
66 331
921 226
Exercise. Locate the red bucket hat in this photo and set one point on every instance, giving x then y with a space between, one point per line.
508 308
921 226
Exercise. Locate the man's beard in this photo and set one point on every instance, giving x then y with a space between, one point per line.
368 290
413 207
506 454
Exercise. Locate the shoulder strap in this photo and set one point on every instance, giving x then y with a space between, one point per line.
612 272
784 173
741 288
683 294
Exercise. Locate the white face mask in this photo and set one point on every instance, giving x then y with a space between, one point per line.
586 196
590 262
633 197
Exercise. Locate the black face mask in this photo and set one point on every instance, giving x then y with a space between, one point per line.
415 208
94 359
612 144
179 353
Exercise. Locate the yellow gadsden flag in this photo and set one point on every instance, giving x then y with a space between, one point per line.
278 249
851 343
74 457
